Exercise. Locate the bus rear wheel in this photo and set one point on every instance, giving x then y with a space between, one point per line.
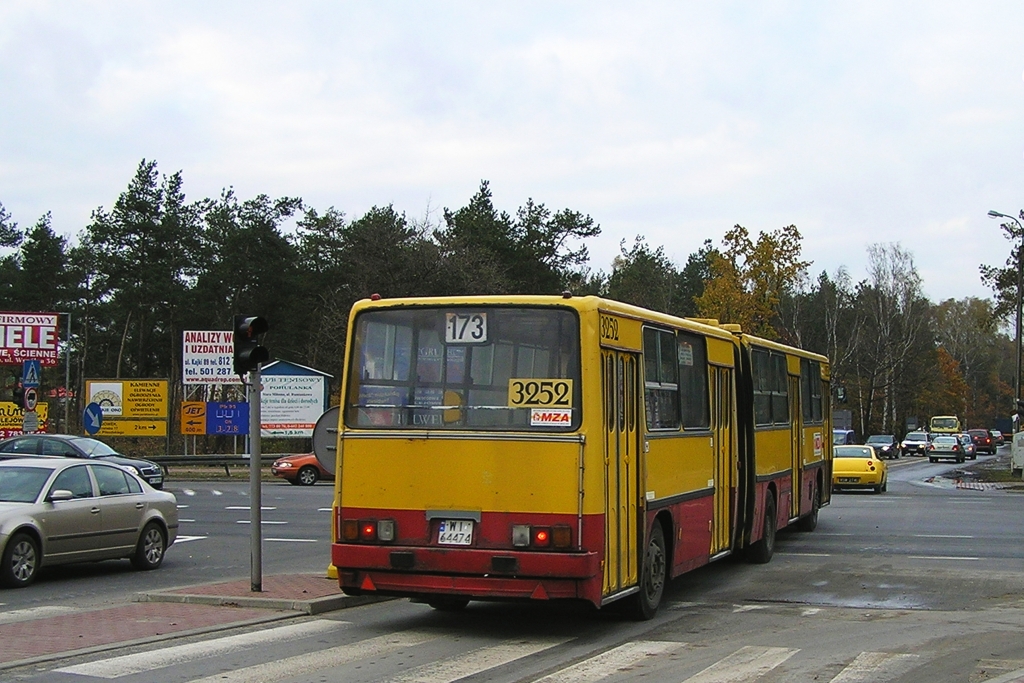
762 551
654 573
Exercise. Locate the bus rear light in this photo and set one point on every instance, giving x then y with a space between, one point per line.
367 530
561 536
350 530
386 530
520 535
542 537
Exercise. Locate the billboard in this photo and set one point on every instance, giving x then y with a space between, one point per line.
290 405
130 407
28 336
207 358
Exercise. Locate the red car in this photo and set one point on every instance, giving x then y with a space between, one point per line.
982 441
302 470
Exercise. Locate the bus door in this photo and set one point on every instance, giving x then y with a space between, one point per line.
621 387
796 449
724 457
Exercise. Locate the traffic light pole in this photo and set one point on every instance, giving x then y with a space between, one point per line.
255 470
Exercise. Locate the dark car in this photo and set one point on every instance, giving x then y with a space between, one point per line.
71 446
983 441
885 445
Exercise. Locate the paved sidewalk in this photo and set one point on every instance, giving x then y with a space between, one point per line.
31 636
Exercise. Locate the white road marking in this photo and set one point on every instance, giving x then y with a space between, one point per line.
34 613
870 667
216 492
810 611
613 661
292 540
805 554
476 661
185 520
832 534
940 536
188 492
184 539
246 507
182 507
262 521
942 557
747 608
127 665
305 664
744 665
324 509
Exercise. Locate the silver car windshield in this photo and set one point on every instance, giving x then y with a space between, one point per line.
22 484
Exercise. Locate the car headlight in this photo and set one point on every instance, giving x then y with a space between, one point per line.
283 465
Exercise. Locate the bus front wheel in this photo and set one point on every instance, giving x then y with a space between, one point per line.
654 573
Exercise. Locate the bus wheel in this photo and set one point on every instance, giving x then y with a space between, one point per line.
448 604
654 572
810 521
762 551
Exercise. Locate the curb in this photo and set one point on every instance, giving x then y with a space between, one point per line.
313 606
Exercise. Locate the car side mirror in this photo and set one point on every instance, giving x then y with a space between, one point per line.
60 494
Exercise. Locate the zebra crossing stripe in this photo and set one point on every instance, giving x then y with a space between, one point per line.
126 665
744 665
476 661
312 662
612 661
869 667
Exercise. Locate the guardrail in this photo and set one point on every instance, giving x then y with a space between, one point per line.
214 459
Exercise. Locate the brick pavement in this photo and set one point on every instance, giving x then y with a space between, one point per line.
163 614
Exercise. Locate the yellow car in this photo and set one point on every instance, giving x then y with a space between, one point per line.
857 467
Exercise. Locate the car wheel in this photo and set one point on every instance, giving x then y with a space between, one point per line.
149 552
885 485
810 521
960 459
653 574
20 561
308 475
762 551
448 604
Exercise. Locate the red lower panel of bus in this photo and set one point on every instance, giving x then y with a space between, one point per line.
416 565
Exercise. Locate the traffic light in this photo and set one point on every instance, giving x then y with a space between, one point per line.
248 352
18 395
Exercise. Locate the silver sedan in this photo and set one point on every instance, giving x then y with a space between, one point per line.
63 510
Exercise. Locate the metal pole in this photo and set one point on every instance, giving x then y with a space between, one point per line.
1020 287
255 493
67 378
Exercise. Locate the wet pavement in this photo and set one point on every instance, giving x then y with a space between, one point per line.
41 634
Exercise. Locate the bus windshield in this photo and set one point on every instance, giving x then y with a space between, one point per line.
945 423
465 368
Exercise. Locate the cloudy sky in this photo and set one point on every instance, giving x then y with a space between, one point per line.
859 122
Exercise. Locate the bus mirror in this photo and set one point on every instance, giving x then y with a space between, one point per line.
452 398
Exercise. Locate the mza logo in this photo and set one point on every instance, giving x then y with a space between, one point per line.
550 417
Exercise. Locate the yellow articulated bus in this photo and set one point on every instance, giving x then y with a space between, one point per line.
540 448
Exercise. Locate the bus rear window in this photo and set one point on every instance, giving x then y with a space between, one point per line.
465 368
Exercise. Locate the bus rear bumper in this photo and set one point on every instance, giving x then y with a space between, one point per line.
472 573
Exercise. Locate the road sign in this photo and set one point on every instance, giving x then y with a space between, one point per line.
193 417
30 423
31 399
118 427
129 397
325 439
30 373
227 418
92 418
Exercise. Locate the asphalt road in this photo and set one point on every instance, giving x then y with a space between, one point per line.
917 585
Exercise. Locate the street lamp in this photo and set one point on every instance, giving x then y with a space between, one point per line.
1020 286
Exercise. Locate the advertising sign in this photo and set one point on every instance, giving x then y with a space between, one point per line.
129 407
207 358
12 418
290 405
28 336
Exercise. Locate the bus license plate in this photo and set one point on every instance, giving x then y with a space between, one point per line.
455 532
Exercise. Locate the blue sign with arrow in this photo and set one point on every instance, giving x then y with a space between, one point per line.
92 418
